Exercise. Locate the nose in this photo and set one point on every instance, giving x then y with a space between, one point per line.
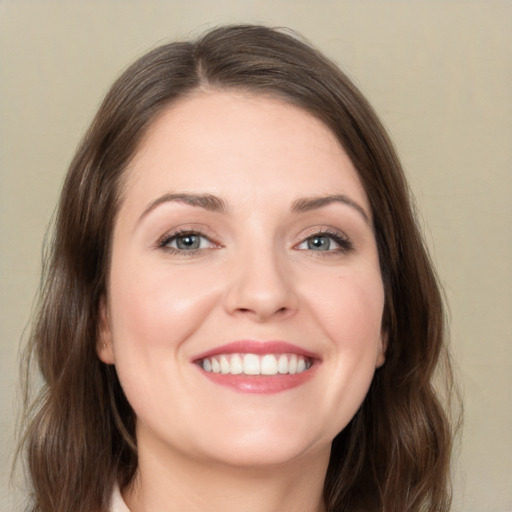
261 287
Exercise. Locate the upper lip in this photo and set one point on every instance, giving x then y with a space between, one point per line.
256 347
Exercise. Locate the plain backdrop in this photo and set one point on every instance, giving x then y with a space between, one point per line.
439 73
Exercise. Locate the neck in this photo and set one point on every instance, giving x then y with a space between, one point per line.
177 483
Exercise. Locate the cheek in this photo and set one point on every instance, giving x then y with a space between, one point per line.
153 314
158 309
349 310
350 307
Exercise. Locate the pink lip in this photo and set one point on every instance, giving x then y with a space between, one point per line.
257 347
261 384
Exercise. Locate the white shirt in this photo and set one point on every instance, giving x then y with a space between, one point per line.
117 504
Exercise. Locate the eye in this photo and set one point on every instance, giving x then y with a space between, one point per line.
186 241
326 241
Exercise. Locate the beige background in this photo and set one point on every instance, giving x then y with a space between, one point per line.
438 72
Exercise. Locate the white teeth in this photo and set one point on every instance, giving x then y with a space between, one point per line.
224 365
236 365
253 364
269 365
292 364
215 365
282 366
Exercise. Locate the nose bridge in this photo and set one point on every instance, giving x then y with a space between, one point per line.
260 282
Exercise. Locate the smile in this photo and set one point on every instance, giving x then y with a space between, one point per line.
255 364
258 367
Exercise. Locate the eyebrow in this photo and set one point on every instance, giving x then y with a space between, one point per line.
305 204
216 204
206 201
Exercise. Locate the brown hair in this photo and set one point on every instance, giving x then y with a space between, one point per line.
80 431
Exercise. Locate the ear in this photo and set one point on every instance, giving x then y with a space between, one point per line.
104 342
382 347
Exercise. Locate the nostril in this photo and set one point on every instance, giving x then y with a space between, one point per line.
281 311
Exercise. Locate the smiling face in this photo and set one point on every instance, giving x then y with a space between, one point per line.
245 299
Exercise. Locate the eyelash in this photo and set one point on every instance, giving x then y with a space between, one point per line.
345 244
163 243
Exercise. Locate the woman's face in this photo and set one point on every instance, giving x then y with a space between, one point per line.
245 299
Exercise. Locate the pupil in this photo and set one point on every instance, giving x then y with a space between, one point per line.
188 242
318 243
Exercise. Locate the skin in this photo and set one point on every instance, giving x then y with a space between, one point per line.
255 276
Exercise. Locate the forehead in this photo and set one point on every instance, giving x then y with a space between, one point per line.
234 142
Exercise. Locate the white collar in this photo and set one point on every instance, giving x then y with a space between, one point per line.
117 503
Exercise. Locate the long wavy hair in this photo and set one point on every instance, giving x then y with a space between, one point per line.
79 435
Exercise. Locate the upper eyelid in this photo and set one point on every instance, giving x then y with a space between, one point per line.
175 233
343 240
321 230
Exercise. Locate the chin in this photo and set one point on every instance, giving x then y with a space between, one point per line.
261 457
265 446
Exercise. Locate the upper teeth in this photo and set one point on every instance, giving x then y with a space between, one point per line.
253 364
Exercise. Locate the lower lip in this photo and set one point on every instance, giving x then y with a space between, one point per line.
262 384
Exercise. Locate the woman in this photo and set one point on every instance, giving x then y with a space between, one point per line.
238 311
